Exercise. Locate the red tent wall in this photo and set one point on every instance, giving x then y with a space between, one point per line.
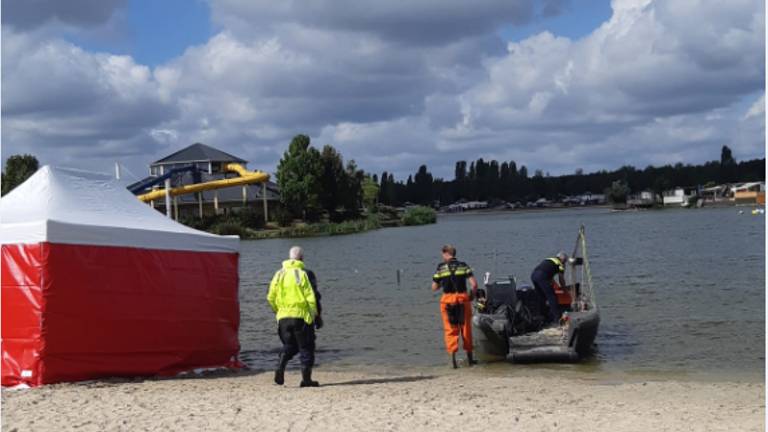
21 313
75 312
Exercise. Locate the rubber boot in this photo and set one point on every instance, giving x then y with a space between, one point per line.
306 378
282 362
471 359
453 361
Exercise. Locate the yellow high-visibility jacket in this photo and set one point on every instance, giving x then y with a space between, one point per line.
290 293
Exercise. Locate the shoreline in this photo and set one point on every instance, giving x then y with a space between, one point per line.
416 399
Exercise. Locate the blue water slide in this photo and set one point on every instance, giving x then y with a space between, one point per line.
142 185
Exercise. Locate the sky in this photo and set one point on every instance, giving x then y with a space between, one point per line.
555 85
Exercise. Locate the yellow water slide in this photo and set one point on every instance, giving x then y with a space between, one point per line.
246 177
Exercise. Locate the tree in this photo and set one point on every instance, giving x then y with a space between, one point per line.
409 189
298 175
523 173
392 196
617 192
370 193
332 180
461 171
18 168
383 195
727 165
352 191
422 186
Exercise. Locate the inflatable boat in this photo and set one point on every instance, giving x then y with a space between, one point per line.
509 319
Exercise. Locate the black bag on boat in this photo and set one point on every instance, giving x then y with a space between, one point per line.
529 313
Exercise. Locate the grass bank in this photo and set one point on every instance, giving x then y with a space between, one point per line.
248 227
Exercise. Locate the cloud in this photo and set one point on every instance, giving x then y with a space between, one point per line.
426 22
68 105
29 14
757 109
631 81
397 84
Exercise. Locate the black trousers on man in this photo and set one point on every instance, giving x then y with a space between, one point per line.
297 337
544 285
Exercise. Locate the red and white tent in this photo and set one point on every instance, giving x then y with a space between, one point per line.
95 283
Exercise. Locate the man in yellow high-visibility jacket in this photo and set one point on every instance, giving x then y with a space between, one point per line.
293 300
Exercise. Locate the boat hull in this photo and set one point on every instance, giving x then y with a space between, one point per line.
568 343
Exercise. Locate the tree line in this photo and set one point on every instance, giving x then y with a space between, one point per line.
490 180
316 182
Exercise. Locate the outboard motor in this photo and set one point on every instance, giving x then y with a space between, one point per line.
495 306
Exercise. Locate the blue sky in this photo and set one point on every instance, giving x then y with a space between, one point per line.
164 29
645 82
579 18
151 31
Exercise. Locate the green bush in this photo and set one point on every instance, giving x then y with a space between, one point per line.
229 228
250 218
203 224
283 217
419 216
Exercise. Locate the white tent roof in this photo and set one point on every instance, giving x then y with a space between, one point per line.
61 205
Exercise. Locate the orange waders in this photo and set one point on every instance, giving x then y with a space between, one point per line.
455 319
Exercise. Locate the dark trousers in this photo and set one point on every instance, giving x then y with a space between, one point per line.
297 337
544 285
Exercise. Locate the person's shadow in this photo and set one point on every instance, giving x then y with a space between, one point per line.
370 381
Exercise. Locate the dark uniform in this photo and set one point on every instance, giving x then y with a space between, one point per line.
455 306
542 277
318 324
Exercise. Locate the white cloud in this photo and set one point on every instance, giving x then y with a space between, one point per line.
70 106
757 109
397 84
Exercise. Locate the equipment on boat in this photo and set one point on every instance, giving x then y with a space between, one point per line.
510 320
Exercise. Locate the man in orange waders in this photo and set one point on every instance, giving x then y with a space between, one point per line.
455 304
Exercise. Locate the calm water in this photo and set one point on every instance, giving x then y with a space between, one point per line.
680 291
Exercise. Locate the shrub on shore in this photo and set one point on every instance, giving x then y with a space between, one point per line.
229 228
419 216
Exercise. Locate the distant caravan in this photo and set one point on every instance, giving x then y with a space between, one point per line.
509 319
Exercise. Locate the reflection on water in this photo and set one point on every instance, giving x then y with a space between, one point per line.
680 291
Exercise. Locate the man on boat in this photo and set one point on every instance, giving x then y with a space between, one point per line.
542 278
293 300
455 304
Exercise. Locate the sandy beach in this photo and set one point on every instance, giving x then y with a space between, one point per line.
352 401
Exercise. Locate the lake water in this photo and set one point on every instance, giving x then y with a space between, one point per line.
680 292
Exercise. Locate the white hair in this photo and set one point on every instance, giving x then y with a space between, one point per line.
296 253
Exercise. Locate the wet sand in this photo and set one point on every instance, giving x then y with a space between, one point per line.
432 400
